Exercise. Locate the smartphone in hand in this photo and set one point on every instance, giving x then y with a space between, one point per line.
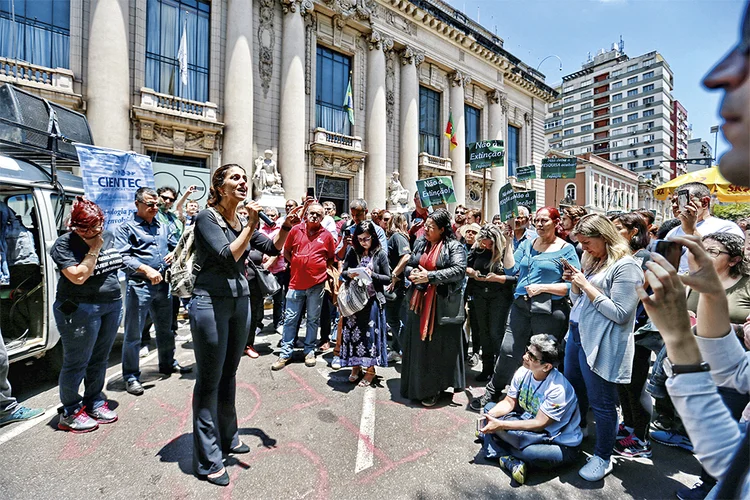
683 198
670 250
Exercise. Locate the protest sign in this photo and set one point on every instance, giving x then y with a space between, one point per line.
486 154
526 173
508 205
436 191
110 179
559 168
527 199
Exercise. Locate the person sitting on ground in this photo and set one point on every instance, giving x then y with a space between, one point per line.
548 407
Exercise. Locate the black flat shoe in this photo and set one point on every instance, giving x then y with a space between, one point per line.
483 377
241 448
177 368
222 480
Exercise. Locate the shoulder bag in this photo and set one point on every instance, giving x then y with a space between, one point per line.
267 282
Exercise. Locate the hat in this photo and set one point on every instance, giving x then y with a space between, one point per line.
469 227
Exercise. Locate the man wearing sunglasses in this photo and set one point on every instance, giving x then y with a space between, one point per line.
144 245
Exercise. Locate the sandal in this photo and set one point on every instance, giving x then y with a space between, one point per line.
356 372
368 378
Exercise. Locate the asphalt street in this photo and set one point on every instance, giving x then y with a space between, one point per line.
312 435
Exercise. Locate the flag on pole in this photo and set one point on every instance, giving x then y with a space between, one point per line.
349 102
450 131
182 56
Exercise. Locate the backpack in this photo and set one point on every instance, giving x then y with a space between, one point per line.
183 270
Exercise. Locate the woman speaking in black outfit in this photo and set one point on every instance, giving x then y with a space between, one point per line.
219 318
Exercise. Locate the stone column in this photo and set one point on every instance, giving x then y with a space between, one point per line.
292 119
498 107
108 75
409 102
238 85
459 81
375 127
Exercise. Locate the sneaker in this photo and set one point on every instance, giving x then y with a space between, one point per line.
699 491
623 431
183 338
134 387
20 414
102 414
78 422
394 357
310 359
478 403
633 447
472 360
143 352
662 423
595 469
336 363
279 364
515 466
671 438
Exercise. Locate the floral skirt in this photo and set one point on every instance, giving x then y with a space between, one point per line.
363 337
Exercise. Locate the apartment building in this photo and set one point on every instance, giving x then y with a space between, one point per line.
619 108
680 135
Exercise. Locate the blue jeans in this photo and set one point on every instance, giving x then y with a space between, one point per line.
541 456
594 390
295 300
87 336
140 299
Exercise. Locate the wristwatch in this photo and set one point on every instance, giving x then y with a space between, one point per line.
671 369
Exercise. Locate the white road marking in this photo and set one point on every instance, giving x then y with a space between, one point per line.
366 431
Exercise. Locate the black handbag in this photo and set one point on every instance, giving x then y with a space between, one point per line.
267 282
541 304
449 309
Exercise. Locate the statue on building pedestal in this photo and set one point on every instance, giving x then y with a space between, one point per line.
267 178
398 196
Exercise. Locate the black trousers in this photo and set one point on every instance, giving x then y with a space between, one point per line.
633 413
256 311
489 313
219 327
522 326
279 299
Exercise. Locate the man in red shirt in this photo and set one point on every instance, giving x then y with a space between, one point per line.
308 249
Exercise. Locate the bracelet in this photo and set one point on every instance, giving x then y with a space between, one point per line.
94 255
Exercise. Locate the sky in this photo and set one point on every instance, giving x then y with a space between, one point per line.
691 35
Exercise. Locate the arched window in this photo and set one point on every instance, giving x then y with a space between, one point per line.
570 191
596 194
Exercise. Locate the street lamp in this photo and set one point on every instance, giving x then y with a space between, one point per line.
715 131
558 58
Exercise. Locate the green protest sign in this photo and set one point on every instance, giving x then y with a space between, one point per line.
527 199
508 205
559 168
526 173
486 154
436 191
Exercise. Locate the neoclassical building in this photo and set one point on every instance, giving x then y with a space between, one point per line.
274 75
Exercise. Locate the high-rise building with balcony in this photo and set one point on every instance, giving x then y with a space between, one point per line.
619 108
680 137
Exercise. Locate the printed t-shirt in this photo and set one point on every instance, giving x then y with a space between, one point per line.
310 255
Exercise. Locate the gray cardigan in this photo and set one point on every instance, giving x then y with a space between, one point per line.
606 324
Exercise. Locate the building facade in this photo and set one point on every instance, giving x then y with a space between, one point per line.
599 185
618 108
680 136
199 83
699 149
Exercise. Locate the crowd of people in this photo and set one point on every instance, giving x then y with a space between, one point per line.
563 313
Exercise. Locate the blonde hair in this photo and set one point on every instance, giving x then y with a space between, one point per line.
598 226
494 234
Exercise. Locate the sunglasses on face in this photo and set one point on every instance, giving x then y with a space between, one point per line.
531 356
314 214
166 198
150 204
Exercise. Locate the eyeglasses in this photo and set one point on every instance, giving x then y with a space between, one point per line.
531 355
150 204
315 214
166 198
460 212
327 209
715 252
90 229
386 219
364 239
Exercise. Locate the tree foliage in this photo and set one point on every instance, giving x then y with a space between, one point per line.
732 211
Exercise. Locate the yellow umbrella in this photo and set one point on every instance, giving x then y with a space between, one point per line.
722 188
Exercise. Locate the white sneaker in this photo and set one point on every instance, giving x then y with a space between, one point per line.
394 357
143 352
336 363
595 469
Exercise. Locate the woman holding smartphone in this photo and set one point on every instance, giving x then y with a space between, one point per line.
87 311
600 348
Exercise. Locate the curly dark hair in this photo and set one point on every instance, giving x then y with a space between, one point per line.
442 219
217 180
734 246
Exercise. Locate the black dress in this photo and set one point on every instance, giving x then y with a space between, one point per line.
431 366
